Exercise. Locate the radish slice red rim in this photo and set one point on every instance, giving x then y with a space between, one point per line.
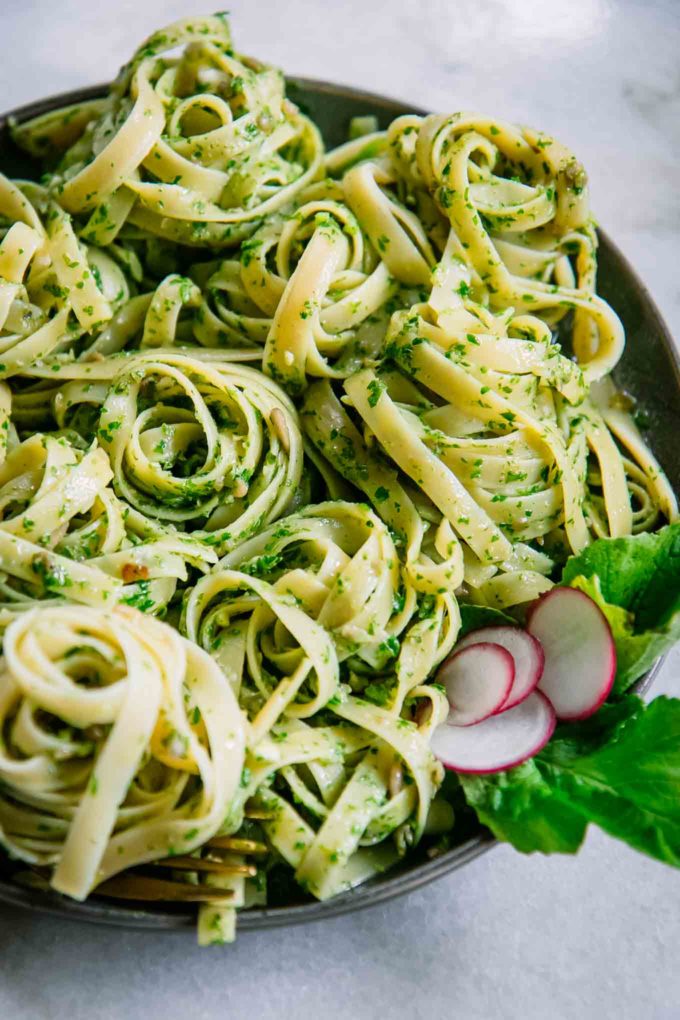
499 742
580 655
477 680
527 654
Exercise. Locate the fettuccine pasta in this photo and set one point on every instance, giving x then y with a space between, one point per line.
272 419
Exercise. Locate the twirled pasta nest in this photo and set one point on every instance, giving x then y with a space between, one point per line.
145 759
195 149
304 617
65 535
216 447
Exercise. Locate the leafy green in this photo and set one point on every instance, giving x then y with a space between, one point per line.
520 808
635 653
474 617
640 574
636 583
620 769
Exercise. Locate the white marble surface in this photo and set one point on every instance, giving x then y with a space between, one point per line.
508 936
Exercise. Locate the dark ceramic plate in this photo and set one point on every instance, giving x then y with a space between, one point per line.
649 370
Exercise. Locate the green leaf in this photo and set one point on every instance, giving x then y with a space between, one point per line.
629 786
640 574
576 740
636 583
620 769
474 617
635 653
519 808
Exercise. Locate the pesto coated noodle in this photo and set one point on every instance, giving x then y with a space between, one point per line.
269 416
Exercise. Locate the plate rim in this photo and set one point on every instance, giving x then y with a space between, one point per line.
102 912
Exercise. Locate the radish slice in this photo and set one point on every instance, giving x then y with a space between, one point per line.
499 742
526 652
477 681
580 655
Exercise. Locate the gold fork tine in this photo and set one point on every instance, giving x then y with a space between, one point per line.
216 867
132 885
239 846
140 887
